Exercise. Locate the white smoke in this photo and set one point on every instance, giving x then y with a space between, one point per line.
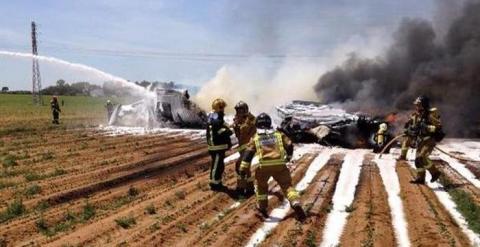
264 84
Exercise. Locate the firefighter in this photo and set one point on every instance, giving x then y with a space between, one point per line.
424 127
244 128
218 140
55 110
109 107
380 138
274 149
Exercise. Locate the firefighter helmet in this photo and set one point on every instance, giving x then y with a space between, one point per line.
218 105
263 121
241 106
422 101
383 126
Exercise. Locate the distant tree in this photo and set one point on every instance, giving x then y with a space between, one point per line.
61 83
78 88
4 89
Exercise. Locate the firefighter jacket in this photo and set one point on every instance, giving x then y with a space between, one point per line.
218 133
54 106
244 127
272 147
427 125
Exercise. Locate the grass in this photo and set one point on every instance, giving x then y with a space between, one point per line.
465 204
150 209
32 190
14 209
67 222
182 227
350 208
9 160
42 206
126 221
131 195
181 194
310 241
49 155
132 191
6 184
88 212
21 116
34 176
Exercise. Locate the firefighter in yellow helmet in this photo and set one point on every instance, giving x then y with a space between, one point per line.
380 138
274 150
424 127
244 128
218 140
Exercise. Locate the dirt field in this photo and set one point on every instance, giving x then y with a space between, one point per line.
71 186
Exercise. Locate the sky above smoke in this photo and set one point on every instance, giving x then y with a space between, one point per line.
440 59
189 41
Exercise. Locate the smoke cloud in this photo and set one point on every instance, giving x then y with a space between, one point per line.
440 60
260 88
288 48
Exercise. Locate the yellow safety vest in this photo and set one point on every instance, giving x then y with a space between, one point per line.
278 146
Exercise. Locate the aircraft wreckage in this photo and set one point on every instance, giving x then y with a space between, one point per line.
170 108
310 122
302 121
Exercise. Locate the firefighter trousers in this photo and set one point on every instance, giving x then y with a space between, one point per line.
422 160
281 174
55 116
217 167
243 183
406 143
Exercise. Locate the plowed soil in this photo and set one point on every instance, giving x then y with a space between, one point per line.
97 187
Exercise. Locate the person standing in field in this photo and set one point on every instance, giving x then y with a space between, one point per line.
244 128
55 110
109 107
218 140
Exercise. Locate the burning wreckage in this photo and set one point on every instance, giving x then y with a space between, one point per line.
302 121
310 122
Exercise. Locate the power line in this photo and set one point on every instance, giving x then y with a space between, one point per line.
194 56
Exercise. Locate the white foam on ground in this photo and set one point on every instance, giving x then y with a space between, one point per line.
120 130
280 212
460 168
343 197
390 180
451 207
469 148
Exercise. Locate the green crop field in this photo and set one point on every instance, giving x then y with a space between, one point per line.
17 111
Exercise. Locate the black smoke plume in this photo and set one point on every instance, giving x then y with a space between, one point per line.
447 69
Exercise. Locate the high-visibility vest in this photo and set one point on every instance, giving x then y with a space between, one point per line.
274 139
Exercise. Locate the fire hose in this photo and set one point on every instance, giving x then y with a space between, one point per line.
390 143
437 148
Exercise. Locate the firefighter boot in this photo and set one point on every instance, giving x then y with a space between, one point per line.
418 180
250 190
435 176
262 213
297 208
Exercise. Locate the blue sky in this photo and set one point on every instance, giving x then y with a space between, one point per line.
185 41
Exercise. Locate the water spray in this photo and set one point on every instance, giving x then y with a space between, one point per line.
134 89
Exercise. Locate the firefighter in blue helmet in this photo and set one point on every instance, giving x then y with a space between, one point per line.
218 140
